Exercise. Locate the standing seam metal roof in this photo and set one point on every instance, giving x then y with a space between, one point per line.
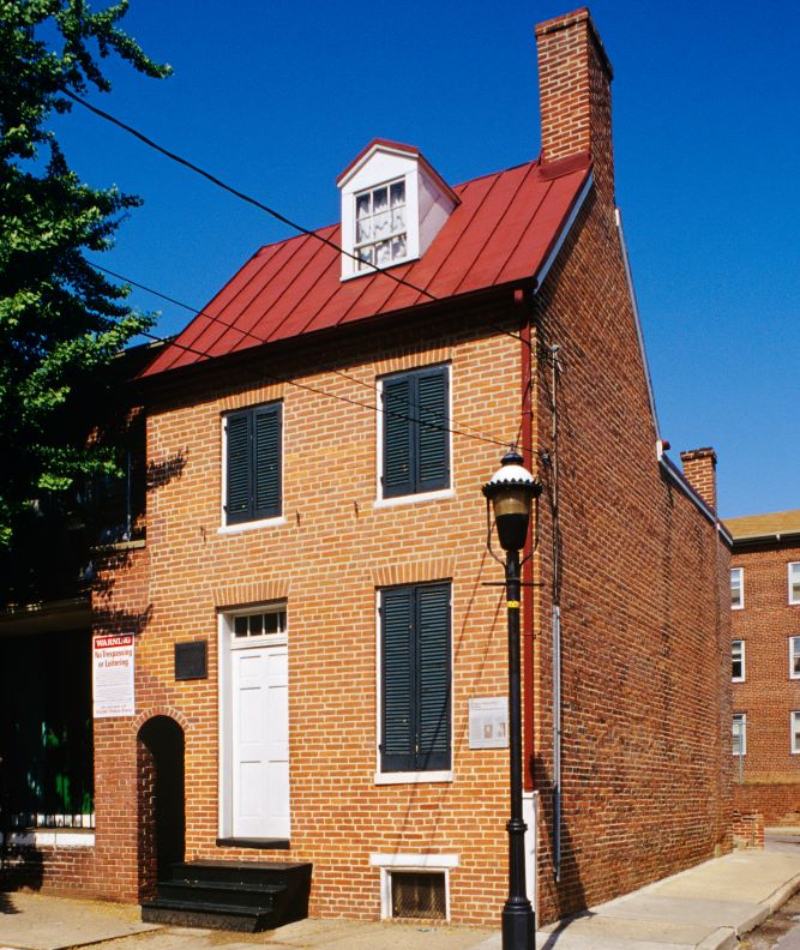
502 231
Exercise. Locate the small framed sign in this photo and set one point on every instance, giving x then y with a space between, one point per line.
488 723
191 660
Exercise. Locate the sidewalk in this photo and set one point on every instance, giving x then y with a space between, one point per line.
700 909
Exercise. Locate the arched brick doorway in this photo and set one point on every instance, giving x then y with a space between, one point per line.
161 797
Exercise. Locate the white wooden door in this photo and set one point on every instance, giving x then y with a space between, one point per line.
260 718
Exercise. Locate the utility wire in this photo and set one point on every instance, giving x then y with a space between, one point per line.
307 386
315 366
256 203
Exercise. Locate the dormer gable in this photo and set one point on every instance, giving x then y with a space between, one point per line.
394 203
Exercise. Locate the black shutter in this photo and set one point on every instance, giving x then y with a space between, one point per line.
267 462
238 494
433 672
398 680
398 466
434 447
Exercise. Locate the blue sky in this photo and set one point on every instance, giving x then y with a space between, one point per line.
277 98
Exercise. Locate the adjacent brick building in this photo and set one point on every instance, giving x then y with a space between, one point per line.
316 540
765 654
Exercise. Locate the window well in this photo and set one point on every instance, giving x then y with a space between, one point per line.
419 895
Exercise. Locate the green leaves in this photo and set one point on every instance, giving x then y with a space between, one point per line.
60 319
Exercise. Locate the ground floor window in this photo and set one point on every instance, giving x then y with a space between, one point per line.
739 734
46 747
415 678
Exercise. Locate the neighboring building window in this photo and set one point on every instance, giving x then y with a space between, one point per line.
416 443
796 733
737 588
739 734
737 661
415 678
253 464
794 583
794 658
381 237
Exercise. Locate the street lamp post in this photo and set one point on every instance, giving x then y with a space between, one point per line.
511 491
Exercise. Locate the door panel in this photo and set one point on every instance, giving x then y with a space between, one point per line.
260 699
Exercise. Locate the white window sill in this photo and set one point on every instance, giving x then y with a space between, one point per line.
411 778
737 606
414 499
251 525
737 679
436 862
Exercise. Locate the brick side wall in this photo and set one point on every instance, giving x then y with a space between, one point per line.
643 580
778 803
768 695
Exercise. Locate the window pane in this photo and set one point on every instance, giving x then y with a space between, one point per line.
398 220
240 626
399 248
380 200
363 230
362 206
739 729
382 253
794 583
398 193
256 625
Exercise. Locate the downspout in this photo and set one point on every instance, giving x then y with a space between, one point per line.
528 591
556 626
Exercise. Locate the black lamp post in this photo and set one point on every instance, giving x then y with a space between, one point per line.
511 491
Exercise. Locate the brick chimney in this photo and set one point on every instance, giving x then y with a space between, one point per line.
700 470
575 93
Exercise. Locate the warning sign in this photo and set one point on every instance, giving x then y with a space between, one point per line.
113 676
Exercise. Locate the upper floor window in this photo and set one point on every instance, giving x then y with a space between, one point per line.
737 588
794 658
394 203
739 729
737 661
381 237
794 583
415 442
253 464
795 733
415 677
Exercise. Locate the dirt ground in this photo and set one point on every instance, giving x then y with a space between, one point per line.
770 932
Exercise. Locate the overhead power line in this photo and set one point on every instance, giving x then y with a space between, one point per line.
293 382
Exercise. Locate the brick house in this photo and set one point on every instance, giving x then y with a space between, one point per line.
765 657
320 652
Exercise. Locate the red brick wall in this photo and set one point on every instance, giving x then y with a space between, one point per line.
643 594
333 552
50 869
778 803
768 695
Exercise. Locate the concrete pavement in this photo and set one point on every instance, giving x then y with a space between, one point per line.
704 908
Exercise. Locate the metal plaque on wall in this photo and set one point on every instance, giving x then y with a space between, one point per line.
488 723
191 660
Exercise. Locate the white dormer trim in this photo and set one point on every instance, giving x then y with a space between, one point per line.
429 201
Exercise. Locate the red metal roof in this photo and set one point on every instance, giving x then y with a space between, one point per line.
502 232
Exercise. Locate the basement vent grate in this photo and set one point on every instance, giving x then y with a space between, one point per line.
419 894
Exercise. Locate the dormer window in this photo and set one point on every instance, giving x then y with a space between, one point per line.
381 237
393 205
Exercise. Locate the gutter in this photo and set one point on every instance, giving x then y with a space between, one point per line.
776 536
